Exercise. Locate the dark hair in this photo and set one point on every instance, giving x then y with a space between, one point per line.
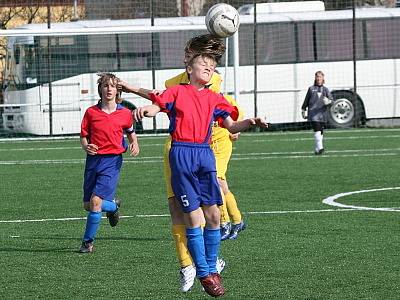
206 44
106 77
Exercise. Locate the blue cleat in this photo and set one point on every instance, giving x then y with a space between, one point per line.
225 231
236 228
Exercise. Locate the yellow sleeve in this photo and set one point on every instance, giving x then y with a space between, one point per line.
178 79
215 82
232 101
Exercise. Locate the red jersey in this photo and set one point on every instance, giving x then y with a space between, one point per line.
107 130
192 111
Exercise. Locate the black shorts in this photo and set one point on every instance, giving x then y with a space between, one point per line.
318 126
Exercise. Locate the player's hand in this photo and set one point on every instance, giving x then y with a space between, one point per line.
134 149
91 149
157 92
234 136
327 101
123 86
259 122
139 113
303 114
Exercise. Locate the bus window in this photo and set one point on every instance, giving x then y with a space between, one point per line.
305 42
30 64
134 51
246 45
276 43
102 53
383 38
17 54
172 45
335 40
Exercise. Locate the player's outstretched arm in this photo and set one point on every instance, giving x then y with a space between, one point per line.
133 144
238 126
127 88
145 111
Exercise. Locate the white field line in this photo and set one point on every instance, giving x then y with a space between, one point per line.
254 141
71 137
326 138
167 215
308 152
331 200
237 157
158 135
61 148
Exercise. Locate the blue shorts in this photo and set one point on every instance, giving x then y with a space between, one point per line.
194 175
101 176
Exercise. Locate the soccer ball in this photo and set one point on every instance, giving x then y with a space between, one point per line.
222 20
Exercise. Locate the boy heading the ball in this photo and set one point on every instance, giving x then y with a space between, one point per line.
191 109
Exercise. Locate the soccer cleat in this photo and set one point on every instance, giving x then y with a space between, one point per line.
236 228
220 265
319 152
113 217
86 247
225 231
188 275
212 285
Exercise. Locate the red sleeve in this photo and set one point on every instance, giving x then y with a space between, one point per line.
85 125
166 100
128 125
225 109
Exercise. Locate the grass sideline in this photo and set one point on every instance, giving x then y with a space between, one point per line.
295 247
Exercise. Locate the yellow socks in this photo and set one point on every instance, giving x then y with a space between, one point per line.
179 234
224 211
233 210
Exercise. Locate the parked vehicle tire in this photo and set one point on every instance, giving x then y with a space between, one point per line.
346 110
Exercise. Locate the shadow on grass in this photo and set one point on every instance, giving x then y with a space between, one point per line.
69 249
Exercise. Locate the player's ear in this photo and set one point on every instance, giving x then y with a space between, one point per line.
189 69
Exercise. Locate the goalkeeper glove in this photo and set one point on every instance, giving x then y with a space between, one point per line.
304 114
327 101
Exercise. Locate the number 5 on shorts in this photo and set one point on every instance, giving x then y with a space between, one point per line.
185 202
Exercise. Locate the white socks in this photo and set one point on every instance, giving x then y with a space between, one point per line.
318 141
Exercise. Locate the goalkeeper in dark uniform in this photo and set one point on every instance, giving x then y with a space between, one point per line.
315 106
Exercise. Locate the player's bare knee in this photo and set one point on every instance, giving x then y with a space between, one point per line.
212 216
223 184
175 211
95 203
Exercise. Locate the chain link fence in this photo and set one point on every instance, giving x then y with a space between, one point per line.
48 81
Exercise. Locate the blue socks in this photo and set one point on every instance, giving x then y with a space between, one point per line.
108 206
94 218
92 224
204 249
195 243
212 241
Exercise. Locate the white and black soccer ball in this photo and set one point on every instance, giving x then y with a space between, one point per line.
222 20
